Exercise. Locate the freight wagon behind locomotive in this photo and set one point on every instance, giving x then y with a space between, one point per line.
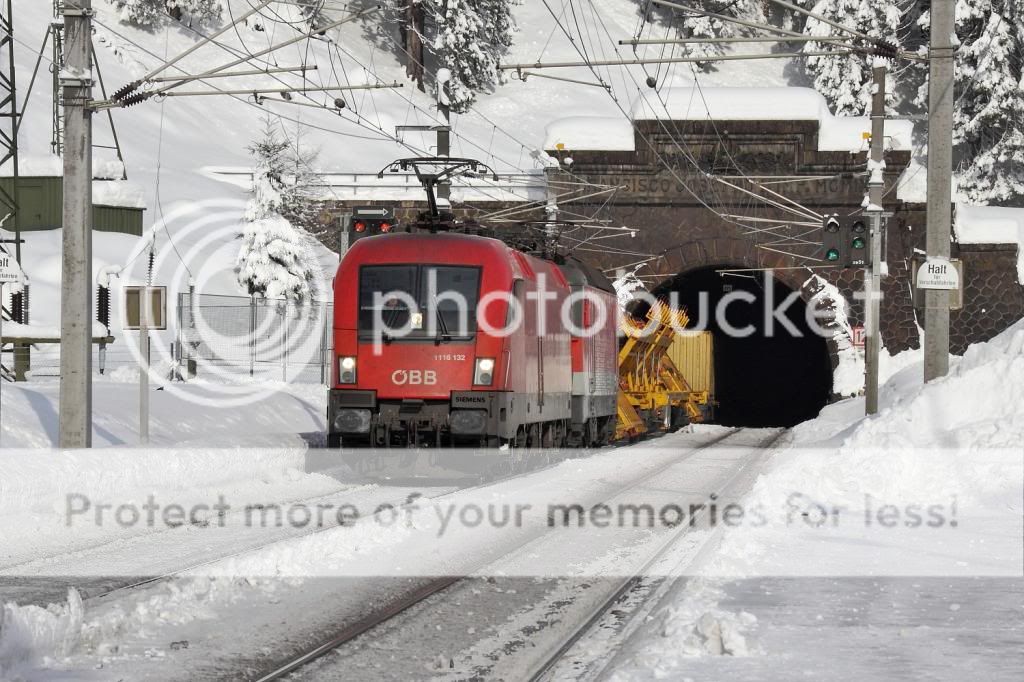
517 377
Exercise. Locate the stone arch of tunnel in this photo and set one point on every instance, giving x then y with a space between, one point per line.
779 374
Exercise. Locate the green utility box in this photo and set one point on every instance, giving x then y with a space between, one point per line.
41 200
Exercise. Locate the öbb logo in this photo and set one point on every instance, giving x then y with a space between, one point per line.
414 377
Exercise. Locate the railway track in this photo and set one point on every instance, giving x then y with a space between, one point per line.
632 599
398 607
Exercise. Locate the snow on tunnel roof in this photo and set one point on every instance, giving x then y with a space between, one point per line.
597 133
992 225
835 133
730 104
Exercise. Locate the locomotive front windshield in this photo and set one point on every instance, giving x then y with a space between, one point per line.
408 296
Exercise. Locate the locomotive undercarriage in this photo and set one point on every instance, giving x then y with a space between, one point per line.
470 418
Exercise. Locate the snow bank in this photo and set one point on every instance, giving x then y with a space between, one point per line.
693 625
992 225
37 481
836 133
31 635
590 133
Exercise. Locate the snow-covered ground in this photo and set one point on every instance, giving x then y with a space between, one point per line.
894 550
864 545
887 540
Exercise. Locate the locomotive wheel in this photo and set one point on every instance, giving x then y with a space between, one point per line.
547 439
592 439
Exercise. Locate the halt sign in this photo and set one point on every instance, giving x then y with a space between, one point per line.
938 273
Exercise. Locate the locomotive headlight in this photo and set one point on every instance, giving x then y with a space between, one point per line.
346 369
484 372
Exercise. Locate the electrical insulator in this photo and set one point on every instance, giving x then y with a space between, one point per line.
17 307
886 49
132 100
103 306
126 90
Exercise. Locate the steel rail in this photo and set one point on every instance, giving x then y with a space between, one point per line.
543 670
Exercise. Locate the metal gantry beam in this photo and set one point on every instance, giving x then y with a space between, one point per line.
639 61
776 39
57 58
9 124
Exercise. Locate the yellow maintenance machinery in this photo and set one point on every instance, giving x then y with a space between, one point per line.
653 393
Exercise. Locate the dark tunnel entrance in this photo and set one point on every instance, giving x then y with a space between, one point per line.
772 377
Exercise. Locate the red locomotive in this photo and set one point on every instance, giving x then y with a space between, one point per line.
451 338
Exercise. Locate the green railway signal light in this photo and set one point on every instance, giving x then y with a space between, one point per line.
859 243
834 242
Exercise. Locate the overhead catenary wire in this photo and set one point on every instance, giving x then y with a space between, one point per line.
231 74
234 22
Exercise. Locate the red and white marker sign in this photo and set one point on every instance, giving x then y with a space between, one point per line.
859 335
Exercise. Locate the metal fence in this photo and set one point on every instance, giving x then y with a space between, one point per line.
238 336
218 337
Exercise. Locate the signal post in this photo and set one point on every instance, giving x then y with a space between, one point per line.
847 241
873 274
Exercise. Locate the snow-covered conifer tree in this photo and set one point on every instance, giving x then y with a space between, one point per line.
303 188
988 118
471 36
148 12
845 80
687 25
140 12
274 260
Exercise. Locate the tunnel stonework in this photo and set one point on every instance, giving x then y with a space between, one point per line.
674 223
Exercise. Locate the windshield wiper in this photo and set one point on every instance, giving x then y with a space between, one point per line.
444 335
